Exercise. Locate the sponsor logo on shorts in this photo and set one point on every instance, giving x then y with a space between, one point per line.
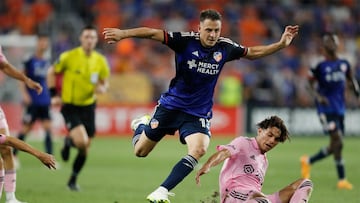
154 123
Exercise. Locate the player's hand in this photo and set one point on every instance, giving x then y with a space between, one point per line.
322 100
290 32
34 85
48 160
201 172
113 35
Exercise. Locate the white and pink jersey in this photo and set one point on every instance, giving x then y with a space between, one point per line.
245 169
2 56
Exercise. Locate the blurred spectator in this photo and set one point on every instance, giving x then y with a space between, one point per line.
274 80
252 29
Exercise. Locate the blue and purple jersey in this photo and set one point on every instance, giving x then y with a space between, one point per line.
197 71
36 69
331 77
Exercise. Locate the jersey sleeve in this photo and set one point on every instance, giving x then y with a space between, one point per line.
235 146
313 72
105 70
177 41
59 64
235 50
346 67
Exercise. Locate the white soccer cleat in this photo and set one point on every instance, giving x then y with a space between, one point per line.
137 121
160 195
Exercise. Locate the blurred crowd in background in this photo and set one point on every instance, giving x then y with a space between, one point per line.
142 69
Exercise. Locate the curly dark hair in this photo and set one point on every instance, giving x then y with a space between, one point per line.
275 121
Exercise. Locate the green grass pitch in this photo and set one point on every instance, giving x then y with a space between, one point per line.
114 175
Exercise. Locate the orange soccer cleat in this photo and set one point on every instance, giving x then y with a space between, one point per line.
305 167
344 185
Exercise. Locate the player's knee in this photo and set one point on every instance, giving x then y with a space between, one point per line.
81 146
141 152
198 152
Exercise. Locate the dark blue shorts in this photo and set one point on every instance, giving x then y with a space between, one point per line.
332 122
36 112
167 122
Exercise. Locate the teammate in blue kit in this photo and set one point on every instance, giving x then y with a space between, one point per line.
187 105
37 105
328 83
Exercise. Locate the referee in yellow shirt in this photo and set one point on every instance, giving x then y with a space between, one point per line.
85 72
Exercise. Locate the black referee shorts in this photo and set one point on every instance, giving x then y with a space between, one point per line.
80 115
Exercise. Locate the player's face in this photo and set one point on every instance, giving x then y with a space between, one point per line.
88 39
43 43
209 32
268 138
330 43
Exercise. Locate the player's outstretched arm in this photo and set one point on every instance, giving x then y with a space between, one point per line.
214 160
288 35
113 35
11 71
353 83
47 159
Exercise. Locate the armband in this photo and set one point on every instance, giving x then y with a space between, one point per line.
53 92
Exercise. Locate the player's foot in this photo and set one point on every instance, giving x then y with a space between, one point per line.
65 151
305 167
14 201
73 186
160 195
344 185
137 121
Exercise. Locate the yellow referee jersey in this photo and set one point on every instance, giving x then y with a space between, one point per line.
80 75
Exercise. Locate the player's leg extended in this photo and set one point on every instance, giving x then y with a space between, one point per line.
306 161
197 145
330 127
298 191
336 145
142 144
81 141
48 136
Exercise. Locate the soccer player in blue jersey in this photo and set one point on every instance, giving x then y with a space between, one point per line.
187 105
37 105
328 84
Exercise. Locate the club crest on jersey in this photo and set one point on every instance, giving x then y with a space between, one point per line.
217 56
154 123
